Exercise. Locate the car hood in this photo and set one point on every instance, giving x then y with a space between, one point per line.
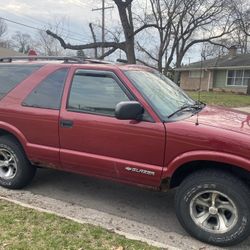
224 118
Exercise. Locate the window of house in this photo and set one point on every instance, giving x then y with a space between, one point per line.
95 93
196 74
238 77
49 92
12 75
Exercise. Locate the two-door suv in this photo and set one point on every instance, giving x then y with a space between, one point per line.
131 124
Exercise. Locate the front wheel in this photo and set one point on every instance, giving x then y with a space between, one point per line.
214 207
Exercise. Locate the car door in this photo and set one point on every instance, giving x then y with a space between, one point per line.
33 108
94 142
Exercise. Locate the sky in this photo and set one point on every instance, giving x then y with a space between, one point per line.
76 15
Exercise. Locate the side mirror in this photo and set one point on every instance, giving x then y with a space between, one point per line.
129 111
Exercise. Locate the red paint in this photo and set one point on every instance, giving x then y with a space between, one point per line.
104 146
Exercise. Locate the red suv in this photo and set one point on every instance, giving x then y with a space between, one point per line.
131 124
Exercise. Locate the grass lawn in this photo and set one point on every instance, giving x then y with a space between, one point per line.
24 228
222 98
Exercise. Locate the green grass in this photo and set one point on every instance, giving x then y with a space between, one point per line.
23 229
222 98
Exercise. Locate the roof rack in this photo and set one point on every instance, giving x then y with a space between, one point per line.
33 58
98 61
66 59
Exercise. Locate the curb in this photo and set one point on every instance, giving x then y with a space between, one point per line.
126 235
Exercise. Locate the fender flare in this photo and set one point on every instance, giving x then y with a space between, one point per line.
15 132
204 155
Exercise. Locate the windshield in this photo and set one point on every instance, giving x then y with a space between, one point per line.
163 94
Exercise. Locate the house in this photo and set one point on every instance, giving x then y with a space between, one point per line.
226 73
4 52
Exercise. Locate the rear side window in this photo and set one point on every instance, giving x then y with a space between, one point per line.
12 75
49 92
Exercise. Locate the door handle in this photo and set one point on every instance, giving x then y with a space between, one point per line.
66 123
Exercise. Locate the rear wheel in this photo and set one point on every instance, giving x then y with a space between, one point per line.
214 207
15 169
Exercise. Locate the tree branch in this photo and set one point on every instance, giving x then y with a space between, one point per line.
65 45
145 26
218 44
109 52
146 52
144 63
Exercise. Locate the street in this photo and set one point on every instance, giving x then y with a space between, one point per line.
146 213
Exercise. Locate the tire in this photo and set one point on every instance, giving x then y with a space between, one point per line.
15 169
214 207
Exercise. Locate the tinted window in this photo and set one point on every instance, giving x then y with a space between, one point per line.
95 94
49 92
12 75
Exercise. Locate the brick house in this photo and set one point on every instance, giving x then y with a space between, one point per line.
226 73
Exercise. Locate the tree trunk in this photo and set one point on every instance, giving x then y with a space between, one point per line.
177 77
130 51
248 88
177 74
125 14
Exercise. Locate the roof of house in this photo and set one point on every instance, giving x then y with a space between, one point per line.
228 61
9 52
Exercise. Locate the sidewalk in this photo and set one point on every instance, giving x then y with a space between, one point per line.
244 109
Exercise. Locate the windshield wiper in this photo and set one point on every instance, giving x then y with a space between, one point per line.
189 107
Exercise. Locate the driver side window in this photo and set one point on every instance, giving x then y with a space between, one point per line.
95 93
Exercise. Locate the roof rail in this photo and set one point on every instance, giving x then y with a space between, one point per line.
31 58
66 59
91 60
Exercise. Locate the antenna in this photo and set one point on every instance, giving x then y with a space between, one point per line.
201 71
199 90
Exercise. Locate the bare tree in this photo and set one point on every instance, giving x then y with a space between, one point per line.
113 34
3 31
177 24
241 12
47 46
182 24
3 28
22 42
129 32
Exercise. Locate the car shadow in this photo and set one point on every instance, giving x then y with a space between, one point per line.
134 203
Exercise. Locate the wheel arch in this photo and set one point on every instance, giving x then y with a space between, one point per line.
7 129
190 167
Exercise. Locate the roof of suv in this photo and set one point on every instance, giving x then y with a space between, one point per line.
43 60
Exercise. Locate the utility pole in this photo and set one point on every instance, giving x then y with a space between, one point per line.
103 8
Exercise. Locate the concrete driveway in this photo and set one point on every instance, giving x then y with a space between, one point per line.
133 210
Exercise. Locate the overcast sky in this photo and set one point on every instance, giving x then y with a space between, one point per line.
76 13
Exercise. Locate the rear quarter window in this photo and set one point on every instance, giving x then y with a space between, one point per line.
48 93
12 75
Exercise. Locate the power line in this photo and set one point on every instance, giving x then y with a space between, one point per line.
22 24
28 18
63 29
32 27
